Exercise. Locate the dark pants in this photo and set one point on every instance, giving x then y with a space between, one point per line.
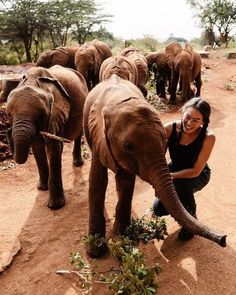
185 188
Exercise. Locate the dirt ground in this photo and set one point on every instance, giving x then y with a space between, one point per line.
43 238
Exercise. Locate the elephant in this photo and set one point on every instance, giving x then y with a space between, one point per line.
88 60
185 67
47 100
125 135
7 86
139 59
120 65
157 62
64 56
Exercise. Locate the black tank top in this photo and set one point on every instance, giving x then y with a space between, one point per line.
183 156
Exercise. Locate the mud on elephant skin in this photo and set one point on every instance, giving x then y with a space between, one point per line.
117 123
139 59
157 63
49 100
88 60
64 56
121 66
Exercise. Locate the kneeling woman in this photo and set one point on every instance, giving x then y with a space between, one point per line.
190 144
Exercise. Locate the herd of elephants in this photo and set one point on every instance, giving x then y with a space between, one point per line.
86 90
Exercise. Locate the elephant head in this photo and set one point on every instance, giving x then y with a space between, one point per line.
157 62
88 60
121 66
63 56
28 109
126 135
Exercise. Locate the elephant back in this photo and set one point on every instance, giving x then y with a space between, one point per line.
63 56
121 66
172 50
129 50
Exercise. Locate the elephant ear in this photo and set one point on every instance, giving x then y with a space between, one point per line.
97 125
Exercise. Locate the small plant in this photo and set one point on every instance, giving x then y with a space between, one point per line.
132 277
147 228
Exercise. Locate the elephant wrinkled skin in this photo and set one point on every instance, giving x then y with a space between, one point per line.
49 100
117 121
88 60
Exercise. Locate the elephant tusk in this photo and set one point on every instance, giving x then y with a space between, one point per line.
53 136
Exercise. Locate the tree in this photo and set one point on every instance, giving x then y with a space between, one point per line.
218 14
18 23
30 22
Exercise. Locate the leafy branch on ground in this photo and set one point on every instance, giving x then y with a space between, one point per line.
132 276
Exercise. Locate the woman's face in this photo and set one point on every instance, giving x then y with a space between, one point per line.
192 120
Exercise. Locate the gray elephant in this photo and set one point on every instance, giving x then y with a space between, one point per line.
47 100
64 56
126 136
88 60
121 66
139 59
185 67
157 63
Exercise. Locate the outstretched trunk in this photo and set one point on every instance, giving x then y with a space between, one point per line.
161 181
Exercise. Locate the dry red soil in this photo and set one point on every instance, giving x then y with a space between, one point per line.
43 238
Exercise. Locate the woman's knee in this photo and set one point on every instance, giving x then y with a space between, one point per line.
158 208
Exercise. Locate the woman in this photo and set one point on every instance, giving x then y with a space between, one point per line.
190 144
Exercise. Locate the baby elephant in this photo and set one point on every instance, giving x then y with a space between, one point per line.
49 100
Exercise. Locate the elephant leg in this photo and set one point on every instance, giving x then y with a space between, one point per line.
125 188
162 87
98 180
56 194
198 81
40 156
143 90
77 157
174 83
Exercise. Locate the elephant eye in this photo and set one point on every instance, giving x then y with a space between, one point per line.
128 146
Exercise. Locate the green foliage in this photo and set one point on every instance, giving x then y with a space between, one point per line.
33 22
132 277
146 230
216 14
172 38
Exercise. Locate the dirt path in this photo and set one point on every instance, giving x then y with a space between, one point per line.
47 237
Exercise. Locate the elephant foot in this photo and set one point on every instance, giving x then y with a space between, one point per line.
95 250
56 204
185 234
42 186
78 162
119 229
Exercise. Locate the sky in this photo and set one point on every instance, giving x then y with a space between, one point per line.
157 18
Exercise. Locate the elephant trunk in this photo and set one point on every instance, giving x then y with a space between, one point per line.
23 133
165 191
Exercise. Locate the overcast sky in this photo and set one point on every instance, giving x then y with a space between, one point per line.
158 18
